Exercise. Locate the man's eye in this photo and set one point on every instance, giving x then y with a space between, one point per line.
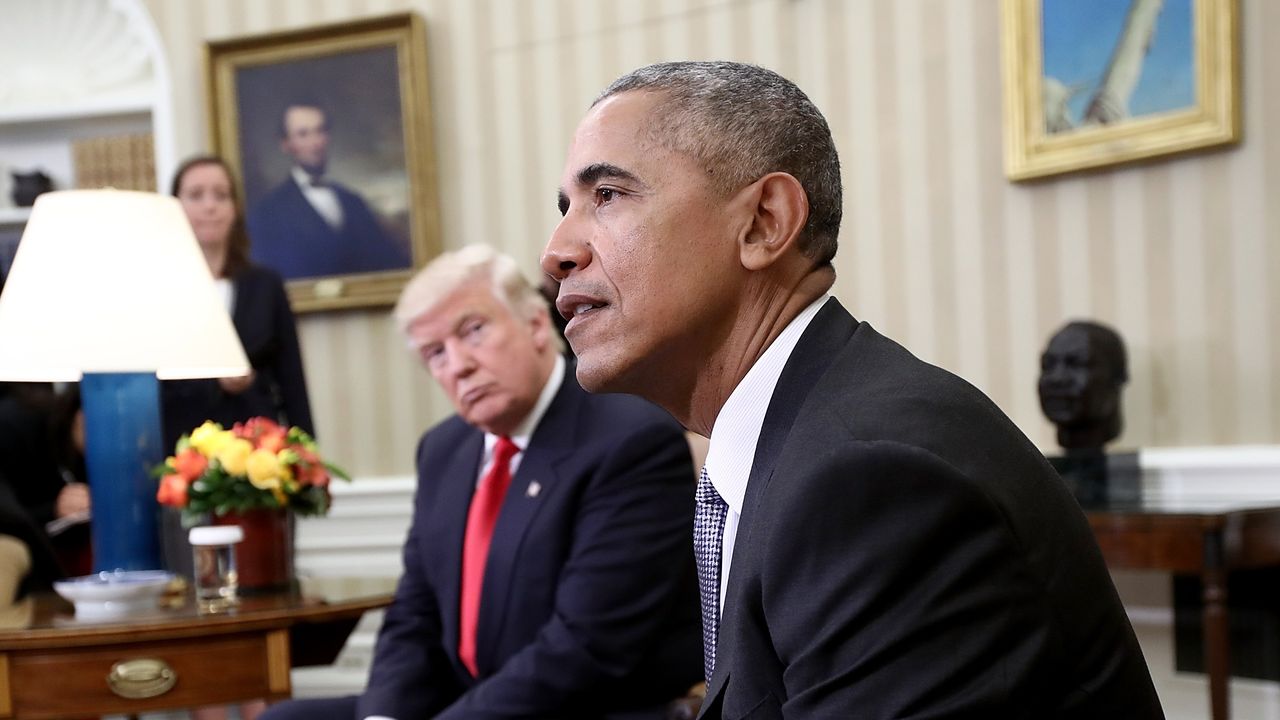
606 195
472 330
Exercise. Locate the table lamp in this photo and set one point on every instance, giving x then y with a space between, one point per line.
110 288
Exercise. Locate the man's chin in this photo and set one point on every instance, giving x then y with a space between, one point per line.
594 378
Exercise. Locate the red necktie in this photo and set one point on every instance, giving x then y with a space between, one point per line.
481 518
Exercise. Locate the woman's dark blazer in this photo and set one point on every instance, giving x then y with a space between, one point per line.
265 324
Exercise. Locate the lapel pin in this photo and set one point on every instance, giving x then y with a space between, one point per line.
534 488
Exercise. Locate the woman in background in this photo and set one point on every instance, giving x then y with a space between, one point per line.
259 308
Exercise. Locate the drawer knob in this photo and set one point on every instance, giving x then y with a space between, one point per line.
141 678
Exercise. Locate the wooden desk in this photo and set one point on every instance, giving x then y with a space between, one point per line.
1200 539
54 666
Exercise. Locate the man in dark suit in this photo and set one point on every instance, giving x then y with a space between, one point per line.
310 226
570 593
875 539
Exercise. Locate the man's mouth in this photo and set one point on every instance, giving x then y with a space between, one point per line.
574 307
472 396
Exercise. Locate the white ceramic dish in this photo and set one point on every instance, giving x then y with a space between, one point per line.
108 594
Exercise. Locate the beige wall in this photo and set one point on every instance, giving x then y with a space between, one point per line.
971 272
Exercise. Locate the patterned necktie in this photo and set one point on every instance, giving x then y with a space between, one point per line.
481 517
708 536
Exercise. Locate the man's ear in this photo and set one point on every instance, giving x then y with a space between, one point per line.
780 209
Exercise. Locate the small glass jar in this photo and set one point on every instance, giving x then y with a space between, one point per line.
214 566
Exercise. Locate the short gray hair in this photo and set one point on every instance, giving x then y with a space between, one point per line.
452 270
742 122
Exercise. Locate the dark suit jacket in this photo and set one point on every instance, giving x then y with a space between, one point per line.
905 552
266 328
589 604
288 235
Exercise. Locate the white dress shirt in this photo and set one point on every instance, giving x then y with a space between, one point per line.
520 437
737 430
322 197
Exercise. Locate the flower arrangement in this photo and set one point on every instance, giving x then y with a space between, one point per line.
255 465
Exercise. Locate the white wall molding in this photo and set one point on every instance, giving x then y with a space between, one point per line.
1244 474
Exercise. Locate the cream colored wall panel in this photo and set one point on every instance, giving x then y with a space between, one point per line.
476 171
1020 234
860 279
256 17
937 114
216 18
1131 318
1071 255
675 38
770 39
917 248
1268 16
965 196
1097 236
1253 343
1190 344
1216 243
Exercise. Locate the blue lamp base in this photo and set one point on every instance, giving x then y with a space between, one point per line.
122 444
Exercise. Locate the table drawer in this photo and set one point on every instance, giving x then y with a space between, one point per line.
72 682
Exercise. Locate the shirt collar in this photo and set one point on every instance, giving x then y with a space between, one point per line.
524 431
732 448
302 177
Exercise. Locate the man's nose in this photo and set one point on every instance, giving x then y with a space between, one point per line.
460 362
565 252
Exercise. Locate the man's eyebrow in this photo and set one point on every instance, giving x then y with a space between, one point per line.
599 171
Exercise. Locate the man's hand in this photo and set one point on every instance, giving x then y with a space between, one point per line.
237 385
73 498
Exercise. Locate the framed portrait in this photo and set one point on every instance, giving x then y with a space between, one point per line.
1090 83
328 129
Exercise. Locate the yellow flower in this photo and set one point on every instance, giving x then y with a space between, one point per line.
234 456
265 470
209 439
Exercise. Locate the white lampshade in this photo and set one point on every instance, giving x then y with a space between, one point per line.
113 281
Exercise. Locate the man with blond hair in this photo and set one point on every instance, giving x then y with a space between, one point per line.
548 571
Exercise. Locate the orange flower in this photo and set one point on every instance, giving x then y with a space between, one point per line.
173 490
190 464
273 440
256 427
309 470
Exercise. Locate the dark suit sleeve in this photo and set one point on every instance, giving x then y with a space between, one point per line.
893 588
616 588
287 364
411 677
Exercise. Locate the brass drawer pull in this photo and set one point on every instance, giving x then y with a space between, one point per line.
141 678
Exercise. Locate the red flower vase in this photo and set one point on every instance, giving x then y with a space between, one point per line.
264 559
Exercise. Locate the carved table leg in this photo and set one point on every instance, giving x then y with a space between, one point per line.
1217 637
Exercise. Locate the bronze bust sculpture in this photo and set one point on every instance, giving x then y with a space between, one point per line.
1081 374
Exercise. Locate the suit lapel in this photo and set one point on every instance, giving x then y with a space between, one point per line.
304 211
535 479
458 483
829 331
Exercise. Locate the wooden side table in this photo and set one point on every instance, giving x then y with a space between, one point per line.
54 666
1198 539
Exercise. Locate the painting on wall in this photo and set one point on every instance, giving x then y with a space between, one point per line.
328 129
1091 83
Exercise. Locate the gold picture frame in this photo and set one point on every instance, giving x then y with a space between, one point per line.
1064 124
361 86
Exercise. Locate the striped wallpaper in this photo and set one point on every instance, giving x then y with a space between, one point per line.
939 250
